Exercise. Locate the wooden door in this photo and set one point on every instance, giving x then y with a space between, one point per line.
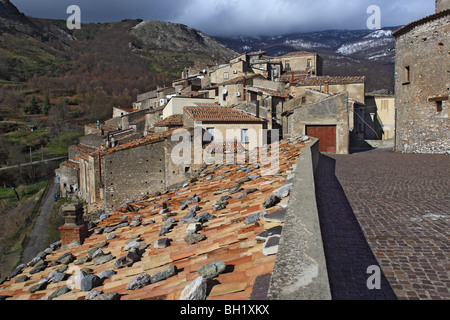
326 135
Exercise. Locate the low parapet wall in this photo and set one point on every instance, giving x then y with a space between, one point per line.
300 271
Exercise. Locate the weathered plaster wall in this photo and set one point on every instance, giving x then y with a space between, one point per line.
421 127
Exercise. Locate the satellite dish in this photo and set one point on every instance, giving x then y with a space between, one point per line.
224 91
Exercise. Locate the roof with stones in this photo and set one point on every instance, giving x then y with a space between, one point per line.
230 221
308 80
173 120
220 114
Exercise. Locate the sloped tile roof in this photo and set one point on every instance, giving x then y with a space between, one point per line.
71 164
228 238
322 80
419 22
173 120
270 92
220 114
298 53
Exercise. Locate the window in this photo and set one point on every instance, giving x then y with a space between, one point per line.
309 63
384 105
438 106
225 76
407 75
209 134
287 65
244 135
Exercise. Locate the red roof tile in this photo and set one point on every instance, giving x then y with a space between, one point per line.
322 80
419 22
171 121
229 239
220 114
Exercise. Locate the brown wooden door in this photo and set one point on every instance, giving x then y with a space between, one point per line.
326 135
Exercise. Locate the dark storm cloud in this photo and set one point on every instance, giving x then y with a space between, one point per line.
238 17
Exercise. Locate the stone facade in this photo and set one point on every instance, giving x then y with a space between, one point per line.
422 69
442 5
138 172
333 111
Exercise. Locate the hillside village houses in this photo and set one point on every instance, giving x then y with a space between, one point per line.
260 99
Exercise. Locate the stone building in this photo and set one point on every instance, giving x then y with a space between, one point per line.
422 73
219 122
378 116
326 116
140 168
354 85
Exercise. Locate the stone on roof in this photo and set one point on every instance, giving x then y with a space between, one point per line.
225 248
308 80
220 114
419 22
175 120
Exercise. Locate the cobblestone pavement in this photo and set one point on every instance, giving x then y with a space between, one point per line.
386 209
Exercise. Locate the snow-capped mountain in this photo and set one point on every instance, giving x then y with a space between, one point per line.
358 44
345 52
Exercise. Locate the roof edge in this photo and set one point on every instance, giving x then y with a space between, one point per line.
419 22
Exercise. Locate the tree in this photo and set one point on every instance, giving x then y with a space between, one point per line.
32 107
46 105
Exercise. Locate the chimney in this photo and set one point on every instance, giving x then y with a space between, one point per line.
74 228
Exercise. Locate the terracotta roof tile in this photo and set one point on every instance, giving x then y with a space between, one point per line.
171 121
220 114
321 80
228 238
419 22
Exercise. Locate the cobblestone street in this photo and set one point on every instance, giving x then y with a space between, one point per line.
391 210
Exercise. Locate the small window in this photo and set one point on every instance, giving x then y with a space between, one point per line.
187 169
244 136
384 105
287 65
441 46
439 106
309 63
407 75
226 76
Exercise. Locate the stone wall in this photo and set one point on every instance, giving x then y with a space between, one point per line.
300 270
133 174
422 73
139 172
330 111
68 179
442 5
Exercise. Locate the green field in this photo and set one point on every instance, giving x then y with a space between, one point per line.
23 191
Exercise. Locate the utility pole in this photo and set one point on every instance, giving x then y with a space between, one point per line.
31 159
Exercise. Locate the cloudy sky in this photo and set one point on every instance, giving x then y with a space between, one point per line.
238 17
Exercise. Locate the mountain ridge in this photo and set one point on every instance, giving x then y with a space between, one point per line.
365 52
